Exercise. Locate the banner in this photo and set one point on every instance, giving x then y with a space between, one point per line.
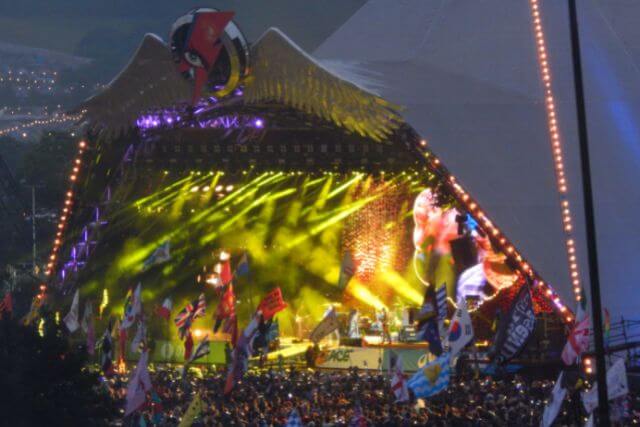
325 327
517 327
350 357
616 386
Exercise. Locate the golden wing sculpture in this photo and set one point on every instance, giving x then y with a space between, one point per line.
150 80
283 72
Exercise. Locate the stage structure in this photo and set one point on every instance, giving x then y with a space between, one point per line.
261 150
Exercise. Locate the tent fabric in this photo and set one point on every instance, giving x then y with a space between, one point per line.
468 78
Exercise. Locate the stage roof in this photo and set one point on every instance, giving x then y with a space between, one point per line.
468 77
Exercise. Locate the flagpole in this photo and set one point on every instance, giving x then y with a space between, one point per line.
589 214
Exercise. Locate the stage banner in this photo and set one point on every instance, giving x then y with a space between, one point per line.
517 327
325 327
173 352
349 357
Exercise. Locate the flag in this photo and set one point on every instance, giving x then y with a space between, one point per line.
241 353
226 308
441 301
201 350
223 269
432 378
578 340
164 310
139 385
242 269
471 282
132 308
607 327
71 319
399 381
139 338
460 330
327 325
294 419
272 303
617 386
187 315
88 328
590 422
516 328
429 332
554 404
106 350
6 305
188 346
193 411
358 420
36 303
161 254
347 270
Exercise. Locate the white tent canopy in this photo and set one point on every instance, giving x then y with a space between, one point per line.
468 76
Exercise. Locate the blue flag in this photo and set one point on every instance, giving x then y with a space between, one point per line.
430 333
242 269
432 378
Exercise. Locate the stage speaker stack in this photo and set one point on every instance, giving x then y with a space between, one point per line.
464 252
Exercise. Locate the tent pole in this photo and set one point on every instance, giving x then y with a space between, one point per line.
589 215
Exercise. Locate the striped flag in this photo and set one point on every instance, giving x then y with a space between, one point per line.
192 311
433 378
161 254
201 350
441 302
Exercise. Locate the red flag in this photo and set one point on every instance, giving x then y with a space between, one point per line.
226 307
188 346
6 305
225 269
272 303
164 311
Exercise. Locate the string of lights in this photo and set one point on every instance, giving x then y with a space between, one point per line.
59 119
558 156
66 214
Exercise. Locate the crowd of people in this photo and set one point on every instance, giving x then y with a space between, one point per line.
267 398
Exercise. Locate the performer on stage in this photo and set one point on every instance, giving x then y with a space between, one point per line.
354 327
383 318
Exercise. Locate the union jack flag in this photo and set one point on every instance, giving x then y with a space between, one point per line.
192 311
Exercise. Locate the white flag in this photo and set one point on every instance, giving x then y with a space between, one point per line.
139 385
71 319
460 330
87 317
555 403
399 382
139 337
616 386
590 421
133 310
